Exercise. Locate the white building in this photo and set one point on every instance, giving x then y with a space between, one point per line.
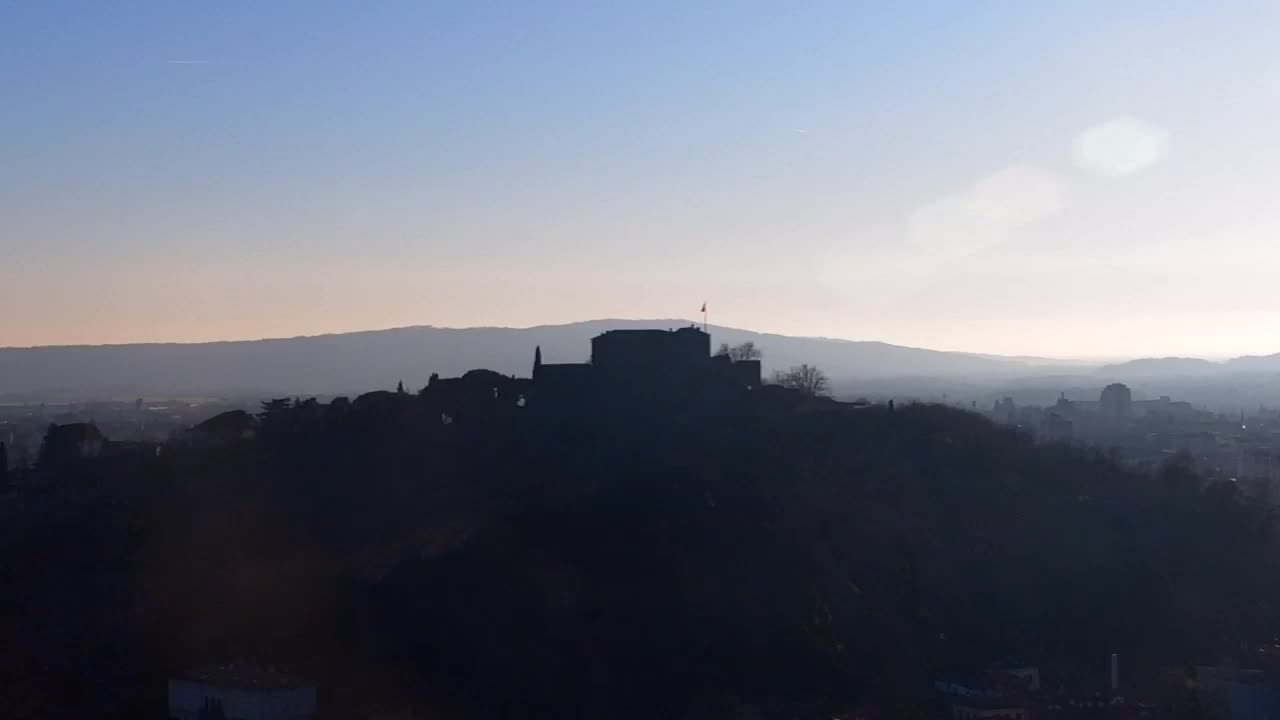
240 692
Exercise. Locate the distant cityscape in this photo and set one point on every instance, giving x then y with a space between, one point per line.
1242 447
127 423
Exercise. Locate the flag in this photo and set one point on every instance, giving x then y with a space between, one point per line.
704 307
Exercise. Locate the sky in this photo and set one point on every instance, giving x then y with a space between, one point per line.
1084 179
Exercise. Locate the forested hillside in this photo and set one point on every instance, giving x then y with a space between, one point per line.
489 560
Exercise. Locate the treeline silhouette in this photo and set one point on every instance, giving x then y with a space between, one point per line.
682 558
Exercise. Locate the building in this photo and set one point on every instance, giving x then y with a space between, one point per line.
1005 412
1258 472
986 700
989 708
1014 691
1165 408
71 442
240 692
647 371
1055 428
1237 694
650 356
645 362
1116 400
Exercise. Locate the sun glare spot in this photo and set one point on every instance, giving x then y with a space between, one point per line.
1120 146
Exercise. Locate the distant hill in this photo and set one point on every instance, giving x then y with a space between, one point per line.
1161 367
360 361
1255 363
1191 367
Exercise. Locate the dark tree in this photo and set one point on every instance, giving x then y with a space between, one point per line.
212 710
67 443
745 351
805 378
273 410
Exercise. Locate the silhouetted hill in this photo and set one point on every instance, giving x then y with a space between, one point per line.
759 549
353 362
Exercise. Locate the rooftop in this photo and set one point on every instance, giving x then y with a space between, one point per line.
245 677
651 331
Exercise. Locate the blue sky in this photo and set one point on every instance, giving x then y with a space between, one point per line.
1091 179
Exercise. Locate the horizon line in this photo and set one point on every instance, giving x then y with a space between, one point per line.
1024 357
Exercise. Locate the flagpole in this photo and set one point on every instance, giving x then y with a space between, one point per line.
704 318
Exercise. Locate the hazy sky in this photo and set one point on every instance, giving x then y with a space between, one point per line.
1079 178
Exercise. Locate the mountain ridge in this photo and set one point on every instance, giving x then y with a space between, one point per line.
356 361
1163 366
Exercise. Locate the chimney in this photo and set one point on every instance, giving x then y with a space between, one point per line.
1115 673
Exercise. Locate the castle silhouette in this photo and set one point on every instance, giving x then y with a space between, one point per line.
651 360
638 367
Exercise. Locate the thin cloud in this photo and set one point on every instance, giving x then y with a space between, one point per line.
187 62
